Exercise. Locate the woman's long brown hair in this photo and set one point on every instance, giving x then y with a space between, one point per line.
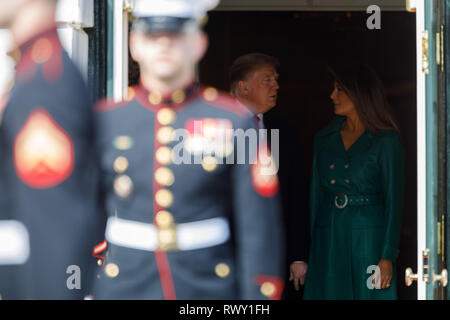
366 91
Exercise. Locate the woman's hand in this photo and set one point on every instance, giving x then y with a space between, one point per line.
385 274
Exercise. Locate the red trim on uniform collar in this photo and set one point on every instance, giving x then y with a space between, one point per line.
223 100
190 91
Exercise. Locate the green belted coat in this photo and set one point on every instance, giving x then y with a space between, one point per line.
356 213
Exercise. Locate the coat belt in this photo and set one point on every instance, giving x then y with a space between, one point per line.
184 236
342 200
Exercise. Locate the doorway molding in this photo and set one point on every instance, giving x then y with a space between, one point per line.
310 5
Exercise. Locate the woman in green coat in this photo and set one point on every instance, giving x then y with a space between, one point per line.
356 194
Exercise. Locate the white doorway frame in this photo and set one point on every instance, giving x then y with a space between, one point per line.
121 76
309 5
120 54
421 150
71 17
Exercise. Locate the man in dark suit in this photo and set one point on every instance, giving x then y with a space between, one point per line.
254 84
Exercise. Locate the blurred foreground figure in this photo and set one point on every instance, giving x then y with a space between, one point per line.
183 223
48 174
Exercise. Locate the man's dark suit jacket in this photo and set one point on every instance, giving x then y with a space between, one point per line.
293 187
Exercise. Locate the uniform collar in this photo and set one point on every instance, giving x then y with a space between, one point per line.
176 98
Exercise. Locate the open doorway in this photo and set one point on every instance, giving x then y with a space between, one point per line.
306 43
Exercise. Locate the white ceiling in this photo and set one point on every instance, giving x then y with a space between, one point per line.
311 5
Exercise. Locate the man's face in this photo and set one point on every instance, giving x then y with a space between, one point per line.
166 56
8 10
261 89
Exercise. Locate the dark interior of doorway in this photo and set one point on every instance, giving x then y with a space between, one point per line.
306 43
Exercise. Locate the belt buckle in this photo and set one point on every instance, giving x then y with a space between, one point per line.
167 238
341 206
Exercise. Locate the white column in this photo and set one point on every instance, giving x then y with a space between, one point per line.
72 16
120 70
6 63
421 153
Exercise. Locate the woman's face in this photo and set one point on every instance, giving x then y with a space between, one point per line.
343 106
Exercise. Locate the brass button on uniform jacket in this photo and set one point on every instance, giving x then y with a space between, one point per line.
356 212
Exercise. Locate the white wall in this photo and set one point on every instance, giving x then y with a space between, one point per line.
76 12
6 63
72 16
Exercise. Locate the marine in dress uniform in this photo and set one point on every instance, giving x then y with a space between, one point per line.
49 176
204 230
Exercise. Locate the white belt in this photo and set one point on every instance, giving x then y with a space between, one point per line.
189 236
14 243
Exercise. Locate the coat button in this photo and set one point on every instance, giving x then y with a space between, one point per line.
210 94
178 96
164 155
164 198
164 219
347 181
222 270
346 166
333 181
123 185
155 98
123 143
120 165
268 289
332 166
112 270
166 116
209 164
164 176
165 135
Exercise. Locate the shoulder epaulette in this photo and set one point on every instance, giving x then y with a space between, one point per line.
108 103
